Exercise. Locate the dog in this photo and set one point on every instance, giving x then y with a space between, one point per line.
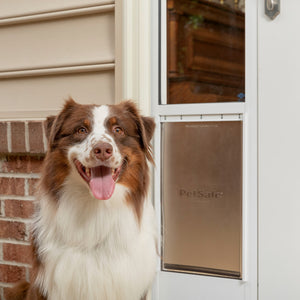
94 235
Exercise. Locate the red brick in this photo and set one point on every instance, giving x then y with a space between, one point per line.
47 133
11 274
32 183
36 142
18 137
13 230
12 186
3 137
7 293
21 164
17 253
18 209
2 208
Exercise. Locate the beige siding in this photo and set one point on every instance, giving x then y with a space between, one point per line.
12 8
76 40
40 96
68 50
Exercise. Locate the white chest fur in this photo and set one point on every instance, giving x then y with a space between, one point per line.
94 249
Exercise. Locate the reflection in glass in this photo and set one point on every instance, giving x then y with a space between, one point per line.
202 197
205 51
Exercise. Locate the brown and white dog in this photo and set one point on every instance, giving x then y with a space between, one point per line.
94 234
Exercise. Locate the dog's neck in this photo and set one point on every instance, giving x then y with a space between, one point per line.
80 220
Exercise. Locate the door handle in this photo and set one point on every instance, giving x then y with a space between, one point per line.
272 8
270 4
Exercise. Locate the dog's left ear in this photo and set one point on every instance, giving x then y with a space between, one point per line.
149 125
145 128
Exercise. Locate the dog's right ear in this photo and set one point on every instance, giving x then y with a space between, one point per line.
52 130
49 123
54 123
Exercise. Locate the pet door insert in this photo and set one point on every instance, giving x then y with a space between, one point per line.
202 197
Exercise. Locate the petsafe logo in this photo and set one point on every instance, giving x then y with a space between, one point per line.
201 194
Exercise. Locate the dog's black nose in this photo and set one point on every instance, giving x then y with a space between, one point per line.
103 151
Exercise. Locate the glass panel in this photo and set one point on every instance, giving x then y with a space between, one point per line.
205 51
202 197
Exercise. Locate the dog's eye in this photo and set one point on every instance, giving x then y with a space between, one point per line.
118 130
82 130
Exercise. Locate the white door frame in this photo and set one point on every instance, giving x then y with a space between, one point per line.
141 71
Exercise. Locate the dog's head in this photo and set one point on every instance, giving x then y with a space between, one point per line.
103 145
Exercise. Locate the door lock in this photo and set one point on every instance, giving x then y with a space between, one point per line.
272 8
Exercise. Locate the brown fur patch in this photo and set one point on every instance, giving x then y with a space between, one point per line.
62 133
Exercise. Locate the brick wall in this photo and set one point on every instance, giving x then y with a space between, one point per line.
22 149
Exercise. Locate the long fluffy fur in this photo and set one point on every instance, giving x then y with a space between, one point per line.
85 248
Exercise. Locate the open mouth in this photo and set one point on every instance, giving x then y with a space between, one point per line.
101 179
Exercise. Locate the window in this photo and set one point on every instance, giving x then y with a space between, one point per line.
205 51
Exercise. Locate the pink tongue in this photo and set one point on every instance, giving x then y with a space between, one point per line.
102 184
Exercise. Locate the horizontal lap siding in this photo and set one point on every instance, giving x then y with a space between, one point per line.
46 94
56 52
53 45
12 8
